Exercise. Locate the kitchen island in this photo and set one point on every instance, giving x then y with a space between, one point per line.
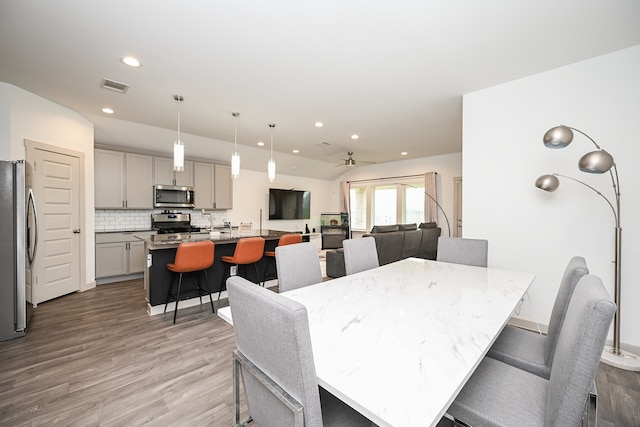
160 250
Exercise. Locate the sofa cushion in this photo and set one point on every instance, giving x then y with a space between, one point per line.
388 245
428 225
411 245
407 227
429 243
384 228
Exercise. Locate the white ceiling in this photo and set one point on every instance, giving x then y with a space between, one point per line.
392 72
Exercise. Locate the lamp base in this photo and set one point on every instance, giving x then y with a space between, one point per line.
624 360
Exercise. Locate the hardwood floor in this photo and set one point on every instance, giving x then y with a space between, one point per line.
97 359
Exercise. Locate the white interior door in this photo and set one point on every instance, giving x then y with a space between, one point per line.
55 182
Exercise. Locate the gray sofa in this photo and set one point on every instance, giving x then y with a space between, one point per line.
393 243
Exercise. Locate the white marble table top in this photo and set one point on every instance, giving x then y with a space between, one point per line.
398 342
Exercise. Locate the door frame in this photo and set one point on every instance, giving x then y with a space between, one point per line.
457 205
30 147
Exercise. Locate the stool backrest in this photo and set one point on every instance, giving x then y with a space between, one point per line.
249 250
290 239
194 256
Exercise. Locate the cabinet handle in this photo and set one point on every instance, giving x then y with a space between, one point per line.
76 231
214 205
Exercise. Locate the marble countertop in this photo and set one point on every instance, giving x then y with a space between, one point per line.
220 237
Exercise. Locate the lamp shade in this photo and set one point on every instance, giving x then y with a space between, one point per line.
178 156
558 137
548 183
596 162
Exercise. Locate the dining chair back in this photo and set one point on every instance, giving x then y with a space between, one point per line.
532 351
297 265
191 257
275 360
498 394
360 255
459 250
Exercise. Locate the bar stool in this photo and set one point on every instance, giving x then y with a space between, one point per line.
285 239
249 250
191 257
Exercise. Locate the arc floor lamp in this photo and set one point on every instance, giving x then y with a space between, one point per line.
598 162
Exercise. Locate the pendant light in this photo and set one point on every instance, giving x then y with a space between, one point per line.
178 147
271 166
235 158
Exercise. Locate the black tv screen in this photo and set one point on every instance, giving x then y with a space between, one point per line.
289 204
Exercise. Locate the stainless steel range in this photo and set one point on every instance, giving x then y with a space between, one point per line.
172 222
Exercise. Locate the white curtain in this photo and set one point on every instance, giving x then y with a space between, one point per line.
430 207
344 196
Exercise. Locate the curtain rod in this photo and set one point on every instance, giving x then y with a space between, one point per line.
390 177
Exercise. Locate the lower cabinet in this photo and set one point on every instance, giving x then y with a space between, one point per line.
119 255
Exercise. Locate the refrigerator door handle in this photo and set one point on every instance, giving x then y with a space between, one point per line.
31 201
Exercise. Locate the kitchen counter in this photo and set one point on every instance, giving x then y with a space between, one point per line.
160 250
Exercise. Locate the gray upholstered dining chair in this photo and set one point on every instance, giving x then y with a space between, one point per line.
460 250
275 359
531 351
498 394
298 265
360 255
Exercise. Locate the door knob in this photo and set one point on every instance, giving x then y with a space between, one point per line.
76 231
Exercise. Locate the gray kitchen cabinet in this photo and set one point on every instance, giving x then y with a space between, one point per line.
212 186
163 172
119 256
123 180
223 187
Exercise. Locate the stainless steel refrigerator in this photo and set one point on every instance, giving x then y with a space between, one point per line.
15 201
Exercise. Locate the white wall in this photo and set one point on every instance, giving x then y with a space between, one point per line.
531 230
24 115
251 193
447 166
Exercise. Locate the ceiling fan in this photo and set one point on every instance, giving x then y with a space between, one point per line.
350 161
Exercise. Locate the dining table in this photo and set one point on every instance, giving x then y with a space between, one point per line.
398 342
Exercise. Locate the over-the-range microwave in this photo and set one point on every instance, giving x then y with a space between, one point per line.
170 196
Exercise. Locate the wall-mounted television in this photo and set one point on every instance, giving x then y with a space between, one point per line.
289 204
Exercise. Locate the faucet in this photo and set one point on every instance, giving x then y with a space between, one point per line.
228 224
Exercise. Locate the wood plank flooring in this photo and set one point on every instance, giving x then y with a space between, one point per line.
97 359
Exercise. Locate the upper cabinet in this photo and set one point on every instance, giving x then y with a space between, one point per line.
126 180
123 180
164 173
212 186
223 187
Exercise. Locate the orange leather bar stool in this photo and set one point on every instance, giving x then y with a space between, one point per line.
285 239
249 250
191 257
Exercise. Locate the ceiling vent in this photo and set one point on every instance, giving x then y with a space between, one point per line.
114 85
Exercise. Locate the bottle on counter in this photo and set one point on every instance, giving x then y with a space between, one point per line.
306 229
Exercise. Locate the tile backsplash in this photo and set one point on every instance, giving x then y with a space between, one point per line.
136 220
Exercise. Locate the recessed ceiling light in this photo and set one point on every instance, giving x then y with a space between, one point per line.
296 151
107 110
260 143
355 136
404 153
319 124
131 61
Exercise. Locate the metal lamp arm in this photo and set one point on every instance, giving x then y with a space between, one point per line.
615 213
435 201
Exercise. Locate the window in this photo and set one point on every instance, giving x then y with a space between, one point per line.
381 203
